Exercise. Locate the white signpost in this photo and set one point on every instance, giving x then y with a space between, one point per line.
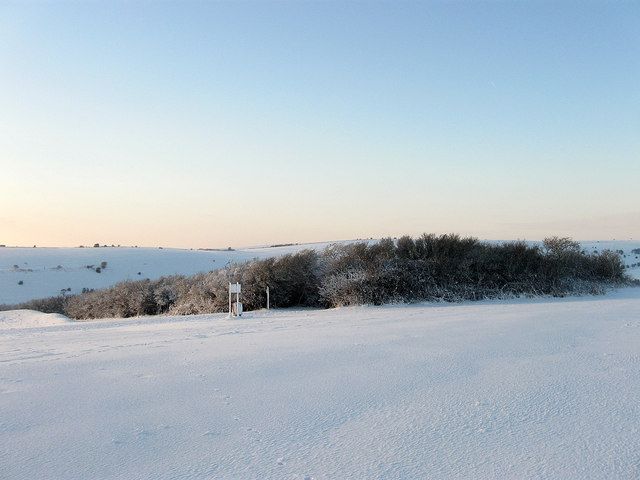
235 309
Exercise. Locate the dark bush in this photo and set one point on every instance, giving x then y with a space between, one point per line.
45 305
125 299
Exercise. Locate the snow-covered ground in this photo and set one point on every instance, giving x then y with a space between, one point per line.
30 319
544 388
45 272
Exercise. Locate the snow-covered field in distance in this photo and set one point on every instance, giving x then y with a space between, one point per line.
521 389
46 271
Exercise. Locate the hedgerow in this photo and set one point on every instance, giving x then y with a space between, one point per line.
427 268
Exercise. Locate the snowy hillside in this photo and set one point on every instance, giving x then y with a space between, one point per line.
30 319
45 272
537 389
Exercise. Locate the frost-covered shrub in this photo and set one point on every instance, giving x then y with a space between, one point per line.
124 299
345 288
202 293
45 305
451 268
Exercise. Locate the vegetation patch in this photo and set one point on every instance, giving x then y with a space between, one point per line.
428 268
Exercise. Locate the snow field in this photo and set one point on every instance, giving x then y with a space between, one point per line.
542 388
29 319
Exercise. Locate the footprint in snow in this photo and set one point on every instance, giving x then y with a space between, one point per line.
280 461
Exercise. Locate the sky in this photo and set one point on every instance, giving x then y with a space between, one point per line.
214 124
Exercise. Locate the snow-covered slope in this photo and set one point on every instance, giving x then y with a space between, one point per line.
29 319
45 272
517 390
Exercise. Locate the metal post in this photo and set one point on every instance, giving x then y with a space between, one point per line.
229 299
267 297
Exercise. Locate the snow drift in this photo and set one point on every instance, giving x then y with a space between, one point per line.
11 319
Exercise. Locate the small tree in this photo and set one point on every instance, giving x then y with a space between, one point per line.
560 245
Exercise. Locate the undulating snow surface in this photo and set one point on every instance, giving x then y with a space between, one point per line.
29 319
544 388
44 272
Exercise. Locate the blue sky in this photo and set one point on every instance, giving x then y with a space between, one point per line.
208 124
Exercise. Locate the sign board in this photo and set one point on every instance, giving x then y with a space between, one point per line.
236 308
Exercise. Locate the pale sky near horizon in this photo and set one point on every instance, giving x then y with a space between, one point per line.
207 124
